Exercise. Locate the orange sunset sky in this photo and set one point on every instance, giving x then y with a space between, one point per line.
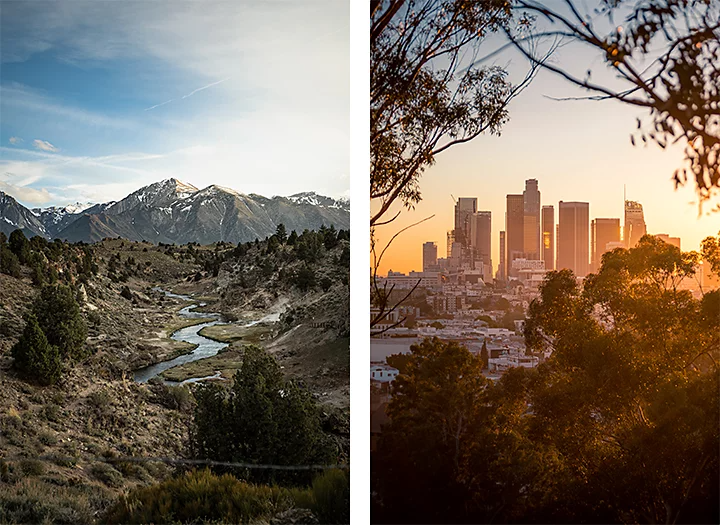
579 150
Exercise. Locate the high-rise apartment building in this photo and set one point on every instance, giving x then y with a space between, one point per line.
531 223
573 237
604 234
514 231
481 240
465 207
634 223
548 237
429 255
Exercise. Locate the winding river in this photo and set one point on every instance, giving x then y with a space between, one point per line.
205 347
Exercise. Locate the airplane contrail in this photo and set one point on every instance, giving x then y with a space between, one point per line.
205 87
189 94
158 105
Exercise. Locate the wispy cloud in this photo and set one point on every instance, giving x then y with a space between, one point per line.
22 96
108 162
15 140
25 194
44 145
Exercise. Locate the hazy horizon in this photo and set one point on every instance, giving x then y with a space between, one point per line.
100 99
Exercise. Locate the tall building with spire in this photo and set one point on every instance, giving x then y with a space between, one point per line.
465 207
573 237
634 223
548 237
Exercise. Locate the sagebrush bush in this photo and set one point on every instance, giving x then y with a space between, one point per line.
331 494
201 496
34 501
107 474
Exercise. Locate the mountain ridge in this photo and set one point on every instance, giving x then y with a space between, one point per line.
171 211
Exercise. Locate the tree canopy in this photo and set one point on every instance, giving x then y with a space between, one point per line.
261 419
619 424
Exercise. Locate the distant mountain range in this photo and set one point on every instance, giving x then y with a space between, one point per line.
172 211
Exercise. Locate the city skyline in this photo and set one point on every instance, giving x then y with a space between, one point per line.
579 150
598 240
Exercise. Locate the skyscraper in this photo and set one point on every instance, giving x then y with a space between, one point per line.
548 237
602 233
573 237
481 239
531 223
464 209
429 255
531 247
634 223
514 231
502 275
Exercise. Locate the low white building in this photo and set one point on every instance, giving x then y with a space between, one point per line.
383 373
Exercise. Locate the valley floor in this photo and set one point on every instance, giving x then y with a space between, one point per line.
53 439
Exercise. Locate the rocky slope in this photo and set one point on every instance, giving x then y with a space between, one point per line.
14 215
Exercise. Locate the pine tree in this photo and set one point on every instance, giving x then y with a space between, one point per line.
59 317
9 263
292 239
19 245
261 419
484 355
281 233
35 358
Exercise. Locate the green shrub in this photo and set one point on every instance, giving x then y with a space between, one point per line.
107 474
32 467
173 397
34 501
331 494
200 496
47 438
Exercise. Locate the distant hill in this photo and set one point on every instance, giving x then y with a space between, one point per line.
172 211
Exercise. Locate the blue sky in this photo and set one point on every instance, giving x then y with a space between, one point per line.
100 98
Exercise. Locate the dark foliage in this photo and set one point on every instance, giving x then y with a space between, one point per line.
59 317
35 358
619 425
262 419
